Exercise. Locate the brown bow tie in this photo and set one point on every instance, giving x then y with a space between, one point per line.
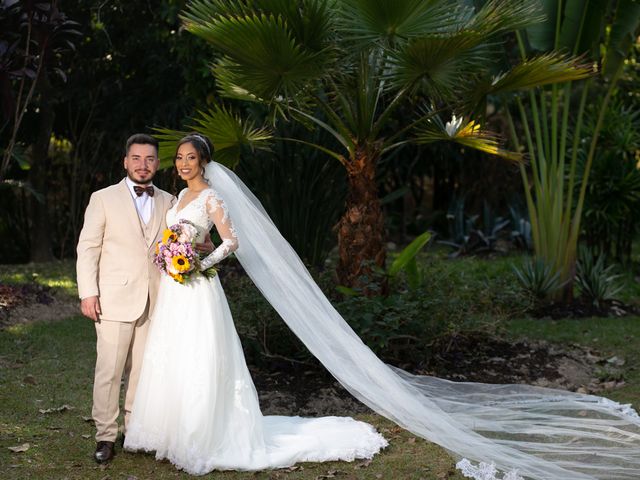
140 190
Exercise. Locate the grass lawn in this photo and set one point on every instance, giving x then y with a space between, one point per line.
58 275
609 336
48 365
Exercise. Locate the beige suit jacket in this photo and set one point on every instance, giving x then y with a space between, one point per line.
115 261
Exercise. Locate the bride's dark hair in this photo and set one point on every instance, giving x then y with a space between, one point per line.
203 146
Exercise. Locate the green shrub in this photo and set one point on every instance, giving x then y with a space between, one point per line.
597 282
538 278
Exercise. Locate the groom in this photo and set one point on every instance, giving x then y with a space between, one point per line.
117 281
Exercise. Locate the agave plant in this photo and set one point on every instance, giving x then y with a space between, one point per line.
520 227
537 278
347 66
596 281
466 236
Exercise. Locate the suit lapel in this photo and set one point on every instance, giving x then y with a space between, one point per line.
129 208
157 215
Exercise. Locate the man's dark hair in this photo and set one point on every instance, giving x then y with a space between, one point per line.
140 139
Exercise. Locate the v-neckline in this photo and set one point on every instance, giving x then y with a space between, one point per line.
178 209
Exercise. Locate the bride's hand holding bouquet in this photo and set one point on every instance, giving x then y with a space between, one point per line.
176 253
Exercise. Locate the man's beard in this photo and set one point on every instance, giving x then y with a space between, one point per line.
139 181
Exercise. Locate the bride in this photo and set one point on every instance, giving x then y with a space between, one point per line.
196 404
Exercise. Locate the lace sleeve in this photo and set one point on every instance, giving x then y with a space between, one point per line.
217 212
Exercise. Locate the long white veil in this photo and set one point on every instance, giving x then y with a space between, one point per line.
524 431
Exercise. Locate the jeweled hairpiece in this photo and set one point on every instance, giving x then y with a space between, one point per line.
203 141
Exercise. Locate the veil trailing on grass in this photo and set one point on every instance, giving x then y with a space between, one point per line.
496 431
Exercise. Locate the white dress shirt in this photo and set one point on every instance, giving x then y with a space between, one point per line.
144 203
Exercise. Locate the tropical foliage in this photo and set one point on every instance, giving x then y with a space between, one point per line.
612 201
348 66
552 125
103 90
597 282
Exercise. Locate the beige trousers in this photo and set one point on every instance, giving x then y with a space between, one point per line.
119 348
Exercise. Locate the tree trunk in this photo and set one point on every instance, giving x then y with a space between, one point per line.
40 233
565 294
361 229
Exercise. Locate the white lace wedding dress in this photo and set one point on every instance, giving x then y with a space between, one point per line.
196 404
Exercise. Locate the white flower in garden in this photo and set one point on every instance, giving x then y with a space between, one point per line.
452 126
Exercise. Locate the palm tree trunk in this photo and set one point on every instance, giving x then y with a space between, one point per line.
361 229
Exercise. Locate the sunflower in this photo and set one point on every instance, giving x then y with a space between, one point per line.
180 263
169 235
177 277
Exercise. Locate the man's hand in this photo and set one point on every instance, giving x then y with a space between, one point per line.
90 307
205 247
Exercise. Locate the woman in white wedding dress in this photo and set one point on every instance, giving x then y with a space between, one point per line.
196 404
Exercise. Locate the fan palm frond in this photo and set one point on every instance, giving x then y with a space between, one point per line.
311 21
226 82
497 17
369 21
201 12
265 58
229 134
439 66
541 70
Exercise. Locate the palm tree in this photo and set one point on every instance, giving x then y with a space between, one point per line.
347 66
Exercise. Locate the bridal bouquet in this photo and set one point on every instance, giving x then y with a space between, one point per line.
176 255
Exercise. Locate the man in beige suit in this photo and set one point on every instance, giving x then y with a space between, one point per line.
118 283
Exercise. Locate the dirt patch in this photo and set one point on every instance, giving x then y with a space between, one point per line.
32 302
581 308
478 357
289 388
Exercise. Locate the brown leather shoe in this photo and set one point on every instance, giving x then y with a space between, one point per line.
104 452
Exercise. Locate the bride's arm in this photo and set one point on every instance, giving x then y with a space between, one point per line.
217 211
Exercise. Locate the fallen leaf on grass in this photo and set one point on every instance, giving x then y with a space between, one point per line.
63 408
411 440
20 448
86 436
30 379
329 474
87 419
132 477
364 464
293 468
